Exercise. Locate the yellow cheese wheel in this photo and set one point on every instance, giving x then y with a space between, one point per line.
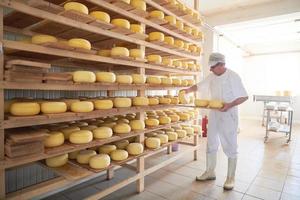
69 102
137 53
195 32
140 101
122 128
153 101
138 78
104 52
175 100
192 66
215 104
122 144
119 51
164 100
181 133
123 23
164 138
82 106
179 43
24 108
107 148
102 16
184 82
154 59
184 116
171 20
122 102
84 77
100 161
179 25
53 107
41 39
73 155
103 104
137 28
156 36
169 40
119 155
151 122
84 156
177 63
68 130
186 46
164 120
126 1
79 7
153 80
135 149
193 48
201 102
157 14
139 4
166 81
137 125
80 43
81 137
176 81
189 130
54 139
105 77
152 142
89 127
174 118
57 161
172 135
183 97
167 61
181 7
124 79
187 29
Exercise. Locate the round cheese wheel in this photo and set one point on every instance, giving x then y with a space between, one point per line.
139 4
169 40
152 142
201 102
166 81
103 104
179 43
153 80
183 97
172 136
84 156
69 102
156 36
123 23
137 53
82 106
41 39
122 144
184 116
184 83
137 125
137 28
174 118
107 148
164 138
54 139
81 137
122 102
187 29
171 20
177 63
138 78
164 120
80 43
167 62
124 79
119 51
189 130
157 59
135 149
181 133
176 81
89 127
104 52
157 14
179 25
193 48
53 107
73 155
164 100
151 122
24 108
79 7
102 16
84 77
175 100
57 161
100 161
153 101
119 155
122 128
68 130
105 77
140 101
195 32
215 104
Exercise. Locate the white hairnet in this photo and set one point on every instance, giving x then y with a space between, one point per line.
216 58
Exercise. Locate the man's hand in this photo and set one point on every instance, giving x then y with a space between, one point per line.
226 107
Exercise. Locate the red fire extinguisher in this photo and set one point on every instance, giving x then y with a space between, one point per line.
204 126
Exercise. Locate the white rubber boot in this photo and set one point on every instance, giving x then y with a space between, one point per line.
229 183
209 174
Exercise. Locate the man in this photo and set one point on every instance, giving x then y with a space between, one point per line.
224 85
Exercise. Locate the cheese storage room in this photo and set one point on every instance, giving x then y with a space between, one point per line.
150 99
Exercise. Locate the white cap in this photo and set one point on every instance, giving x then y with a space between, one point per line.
215 58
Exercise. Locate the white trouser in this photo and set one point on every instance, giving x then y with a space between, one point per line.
222 126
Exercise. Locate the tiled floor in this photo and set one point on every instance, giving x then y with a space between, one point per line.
268 171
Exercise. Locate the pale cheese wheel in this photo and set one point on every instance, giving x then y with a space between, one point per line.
135 149
25 108
167 62
157 14
122 144
156 36
175 100
157 59
79 7
100 161
164 138
122 128
138 78
164 100
152 142
123 23
81 137
151 122
73 155
107 148
172 135
80 43
201 102
183 97
82 106
104 52
105 77
119 155
102 16
169 40
184 82
179 43
164 120
41 39
216 104
166 81
140 101
187 29
124 79
68 130
177 63
84 156
139 4
184 116
57 161
153 101
174 118
189 130
137 28
122 102
153 80
193 48
53 107
137 125
179 25
176 81
171 20
84 77
119 51
181 133
54 139
137 53
103 104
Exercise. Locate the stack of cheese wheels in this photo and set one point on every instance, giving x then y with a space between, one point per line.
84 77
151 122
119 52
137 125
163 138
122 128
57 161
78 7
135 149
122 102
105 77
102 132
43 39
99 161
107 148
80 43
124 79
81 137
54 139
68 130
216 104
139 4
153 101
138 78
152 142
24 108
140 101
137 28
84 156
82 106
103 104
153 80
201 102
119 155
122 23
157 14
156 36
122 144
53 107
102 16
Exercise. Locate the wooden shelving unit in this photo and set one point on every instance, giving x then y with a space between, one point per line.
29 18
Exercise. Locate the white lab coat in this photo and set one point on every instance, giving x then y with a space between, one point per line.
222 126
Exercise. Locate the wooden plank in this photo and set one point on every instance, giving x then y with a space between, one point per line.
28 63
24 149
26 135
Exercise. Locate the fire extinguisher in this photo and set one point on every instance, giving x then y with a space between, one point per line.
204 126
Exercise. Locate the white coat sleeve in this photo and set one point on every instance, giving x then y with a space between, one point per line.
238 88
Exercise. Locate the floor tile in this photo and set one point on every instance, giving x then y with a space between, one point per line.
269 183
286 196
293 189
247 197
263 193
